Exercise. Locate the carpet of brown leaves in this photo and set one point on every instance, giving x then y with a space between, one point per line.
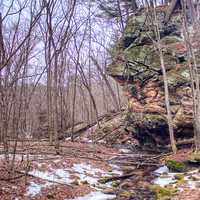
43 156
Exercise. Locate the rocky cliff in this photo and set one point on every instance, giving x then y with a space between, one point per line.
136 66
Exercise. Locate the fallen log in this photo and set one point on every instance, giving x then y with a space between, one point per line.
82 127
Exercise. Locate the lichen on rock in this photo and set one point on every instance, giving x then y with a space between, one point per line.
136 66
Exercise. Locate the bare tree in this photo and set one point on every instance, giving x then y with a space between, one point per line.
165 80
193 67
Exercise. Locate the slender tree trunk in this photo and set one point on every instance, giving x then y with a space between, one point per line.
169 115
55 106
74 103
166 88
194 73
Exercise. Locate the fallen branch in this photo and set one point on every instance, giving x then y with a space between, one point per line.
12 178
114 178
138 163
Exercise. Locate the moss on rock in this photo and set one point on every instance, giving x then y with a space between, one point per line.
136 63
179 176
175 166
163 193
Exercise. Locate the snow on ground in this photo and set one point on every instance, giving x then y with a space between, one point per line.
56 175
91 174
96 196
161 170
86 168
86 173
166 178
164 181
33 189
124 150
51 173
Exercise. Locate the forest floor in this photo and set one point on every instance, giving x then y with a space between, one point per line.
82 171
179 184
189 185
86 171
41 174
115 168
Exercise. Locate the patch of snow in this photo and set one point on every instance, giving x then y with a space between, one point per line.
84 171
85 168
192 184
96 196
164 181
91 174
90 180
56 161
57 175
102 142
124 151
39 164
170 178
33 189
87 172
161 170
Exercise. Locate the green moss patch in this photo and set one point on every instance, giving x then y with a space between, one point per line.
175 166
179 176
163 193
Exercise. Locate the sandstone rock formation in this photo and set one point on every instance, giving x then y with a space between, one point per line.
136 66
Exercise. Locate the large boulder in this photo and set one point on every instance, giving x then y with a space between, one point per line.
136 66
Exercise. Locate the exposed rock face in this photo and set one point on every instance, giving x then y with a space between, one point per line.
136 66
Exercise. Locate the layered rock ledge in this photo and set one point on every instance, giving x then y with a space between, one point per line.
136 66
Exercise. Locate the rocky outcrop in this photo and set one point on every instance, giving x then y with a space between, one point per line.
136 66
